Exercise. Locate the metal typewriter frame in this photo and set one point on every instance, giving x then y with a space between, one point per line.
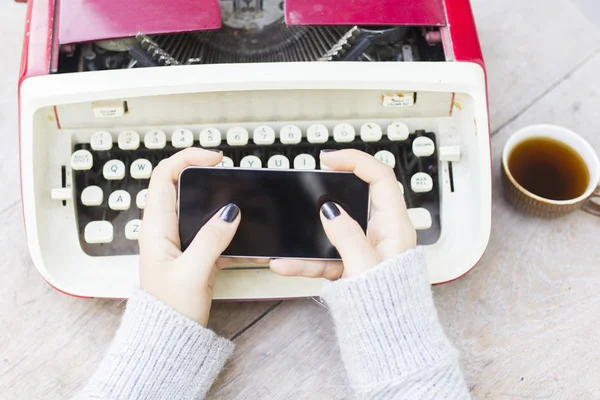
466 213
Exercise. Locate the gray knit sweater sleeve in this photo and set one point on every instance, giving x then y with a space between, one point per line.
158 353
392 343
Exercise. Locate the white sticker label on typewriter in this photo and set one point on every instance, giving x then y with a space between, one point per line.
237 136
317 134
420 218
92 196
226 162
82 160
210 137
132 229
421 182
101 140
251 162
370 132
343 133
423 146
155 139
290 134
129 140
397 131
141 169
108 109
98 232
399 99
278 161
182 138
119 200
264 135
304 161
140 199
113 170
386 157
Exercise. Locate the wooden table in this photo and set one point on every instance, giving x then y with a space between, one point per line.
526 319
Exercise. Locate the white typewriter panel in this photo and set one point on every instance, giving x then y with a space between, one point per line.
60 113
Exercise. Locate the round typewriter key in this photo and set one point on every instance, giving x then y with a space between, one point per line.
182 138
155 139
397 131
304 161
343 133
370 132
264 135
129 140
237 136
210 137
101 140
251 162
82 160
278 161
317 134
290 134
386 157
423 146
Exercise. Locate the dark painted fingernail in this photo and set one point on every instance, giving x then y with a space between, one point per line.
328 150
215 150
229 213
330 210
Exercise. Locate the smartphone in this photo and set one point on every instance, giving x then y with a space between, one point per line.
279 208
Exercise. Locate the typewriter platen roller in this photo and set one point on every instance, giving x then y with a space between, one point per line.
268 82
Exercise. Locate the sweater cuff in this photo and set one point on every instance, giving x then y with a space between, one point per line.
386 321
159 353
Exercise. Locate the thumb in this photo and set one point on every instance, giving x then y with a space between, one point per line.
349 239
215 236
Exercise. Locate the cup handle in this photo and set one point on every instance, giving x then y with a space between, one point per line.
590 206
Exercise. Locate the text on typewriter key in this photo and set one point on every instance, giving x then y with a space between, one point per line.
370 132
92 196
421 182
237 136
397 131
82 160
129 140
226 162
423 146
420 218
98 232
264 135
182 138
278 161
343 133
251 162
113 170
156 139
132 229
304 161
141 169
119 200
317 133
386 157
210 137
101 140
140 199
290 134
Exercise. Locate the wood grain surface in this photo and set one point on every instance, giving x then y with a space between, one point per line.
525 319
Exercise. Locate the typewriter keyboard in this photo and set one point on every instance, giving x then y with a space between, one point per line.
111 176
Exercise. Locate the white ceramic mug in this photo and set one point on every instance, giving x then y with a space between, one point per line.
541 206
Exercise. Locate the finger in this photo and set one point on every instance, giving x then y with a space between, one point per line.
349 239
213 238
327 269
385 191
226 262
161 202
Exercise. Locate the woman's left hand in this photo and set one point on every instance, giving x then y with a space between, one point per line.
182 280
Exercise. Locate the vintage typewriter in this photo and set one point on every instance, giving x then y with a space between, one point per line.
110 88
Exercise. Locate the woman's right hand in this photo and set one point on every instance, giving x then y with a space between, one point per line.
389 231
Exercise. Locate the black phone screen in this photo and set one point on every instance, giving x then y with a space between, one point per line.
279 208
